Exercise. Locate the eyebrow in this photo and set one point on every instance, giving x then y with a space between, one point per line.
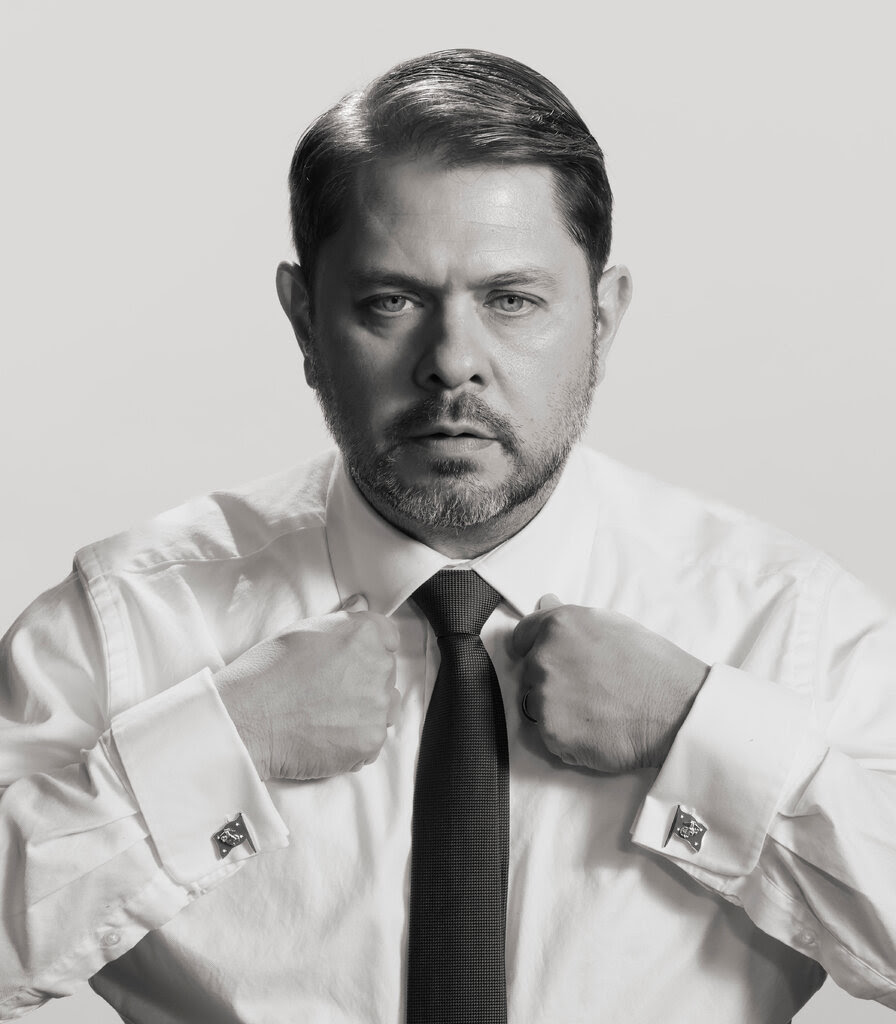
378 277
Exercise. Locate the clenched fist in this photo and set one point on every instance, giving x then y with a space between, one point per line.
606 692
316 700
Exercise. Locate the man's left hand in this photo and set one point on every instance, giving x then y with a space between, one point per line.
606 692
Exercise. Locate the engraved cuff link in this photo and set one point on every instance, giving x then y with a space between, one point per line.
233 834
688 829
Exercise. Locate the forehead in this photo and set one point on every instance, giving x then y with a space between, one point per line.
419 215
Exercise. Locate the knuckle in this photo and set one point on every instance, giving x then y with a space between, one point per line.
375 633
387 659
534 671
549 737
528 674
369 755
365 628
374 738
380 673
554 625
548 628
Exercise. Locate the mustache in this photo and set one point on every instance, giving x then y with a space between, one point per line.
463 408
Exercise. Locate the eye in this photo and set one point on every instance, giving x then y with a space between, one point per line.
512 304
390 305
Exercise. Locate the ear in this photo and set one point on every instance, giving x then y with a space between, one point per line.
292 291
614 293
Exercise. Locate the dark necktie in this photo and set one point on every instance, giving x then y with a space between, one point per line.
460 833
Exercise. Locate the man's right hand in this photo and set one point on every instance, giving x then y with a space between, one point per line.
316 700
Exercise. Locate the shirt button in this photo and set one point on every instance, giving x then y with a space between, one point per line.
806 939
110 939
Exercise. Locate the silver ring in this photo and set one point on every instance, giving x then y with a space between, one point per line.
525 707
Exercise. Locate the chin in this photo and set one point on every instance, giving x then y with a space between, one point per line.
452 497
451 492
453 468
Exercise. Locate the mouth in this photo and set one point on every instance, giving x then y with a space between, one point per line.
452 438
452 430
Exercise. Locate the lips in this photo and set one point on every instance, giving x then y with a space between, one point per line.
447 440
452 430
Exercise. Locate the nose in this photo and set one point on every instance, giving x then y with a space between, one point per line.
455 353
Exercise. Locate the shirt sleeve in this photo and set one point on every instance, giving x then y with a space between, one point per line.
106 826
797 793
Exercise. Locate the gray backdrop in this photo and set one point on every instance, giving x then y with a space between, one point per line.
143 211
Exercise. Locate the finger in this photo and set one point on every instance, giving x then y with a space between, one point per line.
355 603
394 707
367 760
548 738
527 629
388 630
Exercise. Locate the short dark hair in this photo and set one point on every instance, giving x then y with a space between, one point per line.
462 107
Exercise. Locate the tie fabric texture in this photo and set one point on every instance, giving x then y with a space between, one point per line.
460 835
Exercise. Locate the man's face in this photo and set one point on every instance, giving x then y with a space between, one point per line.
453 342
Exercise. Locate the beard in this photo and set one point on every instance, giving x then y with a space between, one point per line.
455 497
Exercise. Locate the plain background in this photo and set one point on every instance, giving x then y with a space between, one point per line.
143 210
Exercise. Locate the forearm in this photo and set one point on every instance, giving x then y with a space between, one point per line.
799 833
97 853
80 878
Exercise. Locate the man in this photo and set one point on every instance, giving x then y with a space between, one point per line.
268 764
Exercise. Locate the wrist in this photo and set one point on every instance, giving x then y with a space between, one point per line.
682 691
231 690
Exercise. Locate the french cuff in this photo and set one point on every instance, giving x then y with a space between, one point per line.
713 801
191 776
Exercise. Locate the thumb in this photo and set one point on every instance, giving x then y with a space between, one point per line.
549 601
355 603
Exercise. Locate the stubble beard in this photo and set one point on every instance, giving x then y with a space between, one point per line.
456 498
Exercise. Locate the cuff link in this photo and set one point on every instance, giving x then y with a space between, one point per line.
233 834
688 829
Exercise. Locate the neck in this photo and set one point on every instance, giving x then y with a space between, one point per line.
469 541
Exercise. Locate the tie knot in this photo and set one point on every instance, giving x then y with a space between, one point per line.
456 601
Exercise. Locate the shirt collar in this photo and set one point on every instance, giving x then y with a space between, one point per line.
549 555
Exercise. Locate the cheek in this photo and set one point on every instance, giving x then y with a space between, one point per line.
366 377
548 372
344 357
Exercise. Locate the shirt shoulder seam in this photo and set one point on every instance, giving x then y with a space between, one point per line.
167 559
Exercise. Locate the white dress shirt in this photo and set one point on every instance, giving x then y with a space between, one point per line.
119 763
